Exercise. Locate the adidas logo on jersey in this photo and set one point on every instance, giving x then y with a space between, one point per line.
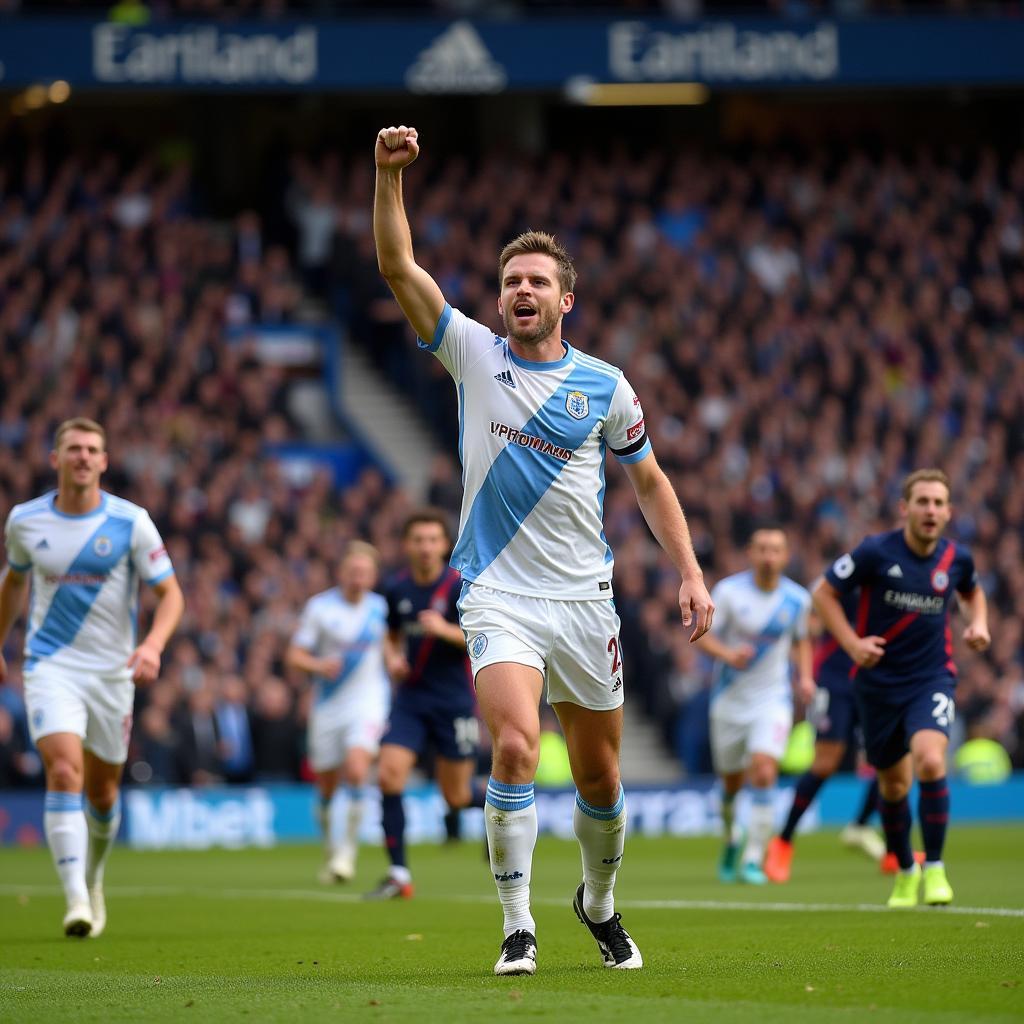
43 545
506 378
456 61
895 571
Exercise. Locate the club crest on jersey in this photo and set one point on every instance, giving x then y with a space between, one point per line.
478 645
940 580
103 546
577 405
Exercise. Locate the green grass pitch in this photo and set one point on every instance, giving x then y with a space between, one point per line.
250 936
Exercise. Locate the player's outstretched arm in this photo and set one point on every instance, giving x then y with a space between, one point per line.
803 655
416 291
664 515
975 606
864 651
306 661
13 590
737 657
145 659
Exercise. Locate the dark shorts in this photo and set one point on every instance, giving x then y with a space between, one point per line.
833 712
452 729
888 723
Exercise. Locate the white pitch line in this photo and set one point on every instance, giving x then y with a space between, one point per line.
327 896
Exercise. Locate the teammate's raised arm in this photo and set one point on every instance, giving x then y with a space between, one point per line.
416 291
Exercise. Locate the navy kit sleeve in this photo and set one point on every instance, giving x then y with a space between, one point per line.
849 571
968 575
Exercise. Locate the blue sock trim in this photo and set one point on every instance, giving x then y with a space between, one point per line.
103 816
356 792
602 813
509 796
762 797
59 802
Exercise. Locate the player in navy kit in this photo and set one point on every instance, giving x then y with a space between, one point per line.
833 713
904 676
433 702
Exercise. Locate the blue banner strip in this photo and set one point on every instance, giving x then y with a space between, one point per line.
433 57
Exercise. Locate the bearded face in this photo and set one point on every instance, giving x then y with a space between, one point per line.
531 299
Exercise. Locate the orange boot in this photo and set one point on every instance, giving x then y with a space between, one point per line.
778 860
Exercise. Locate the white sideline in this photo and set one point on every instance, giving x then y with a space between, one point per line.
322 896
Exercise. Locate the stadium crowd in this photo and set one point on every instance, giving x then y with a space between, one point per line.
802 330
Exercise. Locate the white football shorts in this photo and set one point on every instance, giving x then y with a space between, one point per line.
762 729
573 644
96 707
332 736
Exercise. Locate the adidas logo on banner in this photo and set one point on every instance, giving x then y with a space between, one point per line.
506 378
895 571
456 61
43 545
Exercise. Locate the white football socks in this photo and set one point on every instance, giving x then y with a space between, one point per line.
67 837
762 825
353 819
102 826
601 832
510 816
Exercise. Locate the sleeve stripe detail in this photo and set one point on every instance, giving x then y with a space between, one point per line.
19 568
631 448
161 577
442 326
642 454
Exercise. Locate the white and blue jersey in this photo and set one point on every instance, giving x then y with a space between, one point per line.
85 572
532 440
331 627
767 620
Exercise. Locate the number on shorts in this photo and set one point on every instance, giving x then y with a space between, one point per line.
467 735
944 711
613 650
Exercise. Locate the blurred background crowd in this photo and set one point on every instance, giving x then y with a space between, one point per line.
804 327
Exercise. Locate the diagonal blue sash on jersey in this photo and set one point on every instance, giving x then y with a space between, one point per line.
519 477
72 601
782 619
353 656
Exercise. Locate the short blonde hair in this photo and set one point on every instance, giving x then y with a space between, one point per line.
361 547
545 244
925 476
79 423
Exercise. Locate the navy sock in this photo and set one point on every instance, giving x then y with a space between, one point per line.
870 804
896 823
393 820
478 791
452 822
933 812
806 790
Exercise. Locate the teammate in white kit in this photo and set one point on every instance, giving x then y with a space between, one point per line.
761 619
340 642
84 551
536 418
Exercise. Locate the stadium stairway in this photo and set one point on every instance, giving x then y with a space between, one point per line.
386 423
644 758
